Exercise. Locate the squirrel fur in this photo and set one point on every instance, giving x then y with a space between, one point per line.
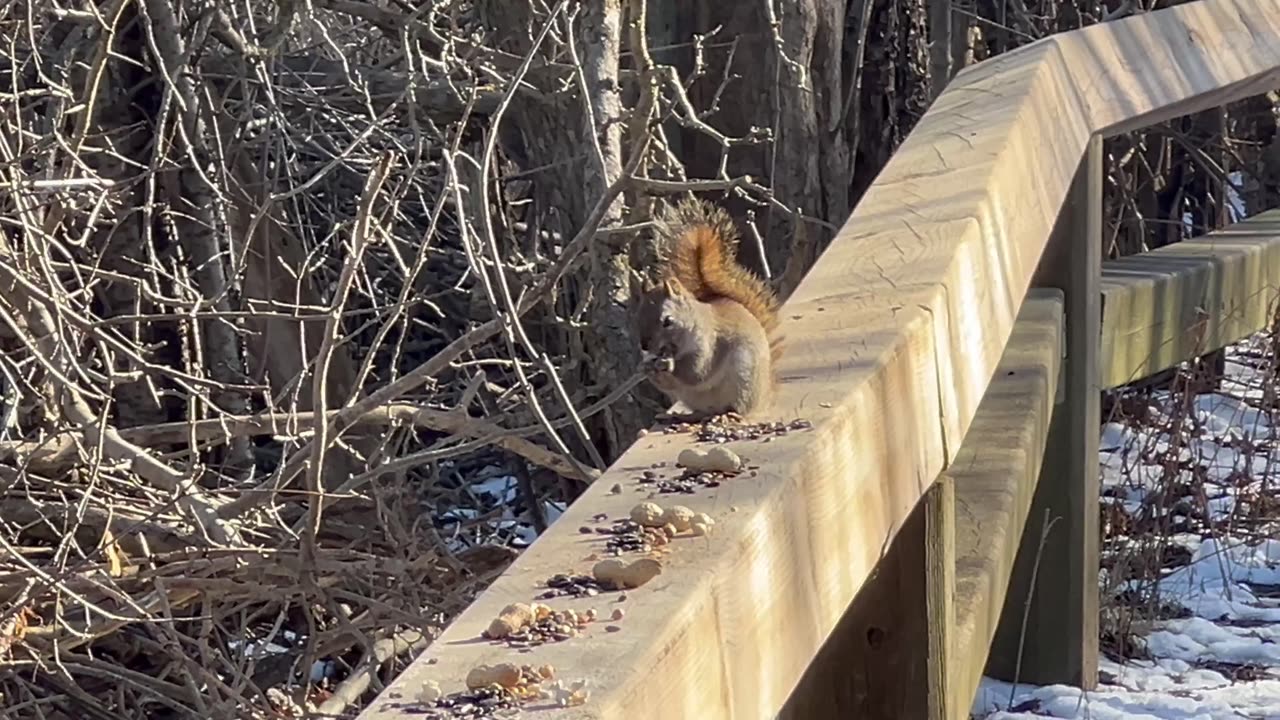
708 327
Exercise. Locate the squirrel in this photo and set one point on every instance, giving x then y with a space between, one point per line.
708 328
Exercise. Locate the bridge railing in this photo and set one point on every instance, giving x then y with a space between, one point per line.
947 352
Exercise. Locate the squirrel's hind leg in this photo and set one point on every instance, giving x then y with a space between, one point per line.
746 389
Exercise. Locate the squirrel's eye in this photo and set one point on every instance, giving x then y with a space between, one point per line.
666 321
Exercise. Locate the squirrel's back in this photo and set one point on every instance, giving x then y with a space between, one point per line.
701 246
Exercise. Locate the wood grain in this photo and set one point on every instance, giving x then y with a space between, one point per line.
1166 306
889 656
894 336
995 476
1049 630
914 642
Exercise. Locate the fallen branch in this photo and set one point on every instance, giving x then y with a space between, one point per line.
60 452
350 690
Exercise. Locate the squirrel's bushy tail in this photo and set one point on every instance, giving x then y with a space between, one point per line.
701 245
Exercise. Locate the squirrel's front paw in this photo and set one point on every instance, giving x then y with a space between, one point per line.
657 365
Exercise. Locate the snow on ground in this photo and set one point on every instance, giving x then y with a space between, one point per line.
1216 655
487 513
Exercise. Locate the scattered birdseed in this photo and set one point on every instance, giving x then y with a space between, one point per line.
512 686
687 483
568 694
571 586
493 702
558 626
629 536
723 430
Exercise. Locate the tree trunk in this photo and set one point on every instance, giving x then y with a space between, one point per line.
792 83
198 219
577 159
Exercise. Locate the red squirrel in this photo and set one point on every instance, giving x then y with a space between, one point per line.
708 327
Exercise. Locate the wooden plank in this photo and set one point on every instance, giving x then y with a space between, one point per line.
995 476
939 601
1048 632
1164 307
888 656
734 618
926 611
894 336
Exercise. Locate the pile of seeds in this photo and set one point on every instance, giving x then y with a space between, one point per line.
629 536
498 691
558 626
719 430
528 624
487 703
688 482
565 585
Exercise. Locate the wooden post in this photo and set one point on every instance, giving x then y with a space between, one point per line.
940 46
1048 631
887 659
939 504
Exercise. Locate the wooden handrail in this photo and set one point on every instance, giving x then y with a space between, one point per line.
894 336
930 660
1165 307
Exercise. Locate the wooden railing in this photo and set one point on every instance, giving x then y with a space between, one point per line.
948 350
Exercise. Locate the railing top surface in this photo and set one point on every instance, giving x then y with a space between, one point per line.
893 337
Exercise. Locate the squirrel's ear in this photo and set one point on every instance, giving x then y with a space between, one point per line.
672 287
